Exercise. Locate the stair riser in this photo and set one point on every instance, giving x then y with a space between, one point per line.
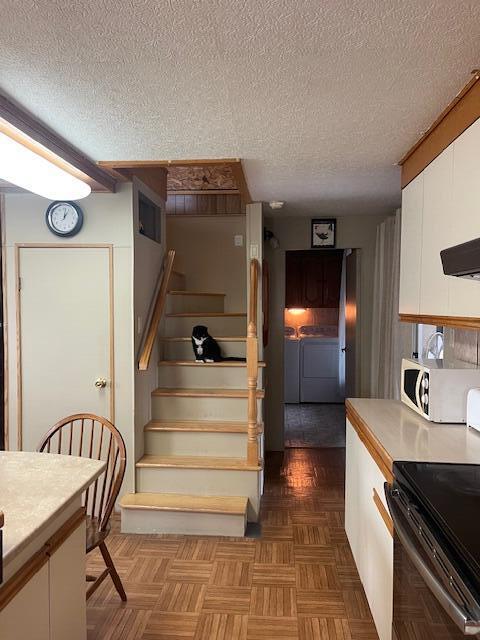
217 326
199 377
184 350
183 523
204 482
178 443
173 408
187 304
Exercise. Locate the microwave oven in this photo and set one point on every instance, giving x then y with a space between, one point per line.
437 389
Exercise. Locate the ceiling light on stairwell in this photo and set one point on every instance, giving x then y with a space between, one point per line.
28 170
276 204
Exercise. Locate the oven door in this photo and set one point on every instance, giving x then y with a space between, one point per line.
430 601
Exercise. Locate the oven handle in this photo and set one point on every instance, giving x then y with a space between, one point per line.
457 614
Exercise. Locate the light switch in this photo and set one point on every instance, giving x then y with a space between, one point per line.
254 251
139 325
238 241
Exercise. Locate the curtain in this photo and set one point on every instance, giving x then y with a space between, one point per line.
341 326
387 332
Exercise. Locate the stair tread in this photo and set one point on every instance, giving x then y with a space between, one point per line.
178 292
207 314
189 338
233 505
197 462
193 363
197 425
205 393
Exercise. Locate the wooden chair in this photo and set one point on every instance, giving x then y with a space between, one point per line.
90 436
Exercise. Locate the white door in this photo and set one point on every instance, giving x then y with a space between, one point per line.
65 336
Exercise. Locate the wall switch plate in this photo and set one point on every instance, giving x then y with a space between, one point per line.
238 241
254 251
139 325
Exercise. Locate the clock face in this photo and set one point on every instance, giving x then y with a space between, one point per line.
64 218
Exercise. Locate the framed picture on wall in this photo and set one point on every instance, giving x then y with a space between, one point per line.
323 233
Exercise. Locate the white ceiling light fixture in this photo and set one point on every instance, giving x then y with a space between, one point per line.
28 170
276 204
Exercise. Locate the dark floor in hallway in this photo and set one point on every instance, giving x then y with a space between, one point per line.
297 581
314 425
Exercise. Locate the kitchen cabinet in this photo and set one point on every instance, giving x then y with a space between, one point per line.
370 540
54 597
436 233
464 299
411 246
440 208
312 278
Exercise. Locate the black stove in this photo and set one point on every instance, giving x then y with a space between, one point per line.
436 512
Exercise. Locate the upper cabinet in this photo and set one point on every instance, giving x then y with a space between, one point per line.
312 278
465 217
441 208
411 246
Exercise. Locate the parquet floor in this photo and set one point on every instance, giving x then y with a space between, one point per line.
297 581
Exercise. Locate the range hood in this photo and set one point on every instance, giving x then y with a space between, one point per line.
462 260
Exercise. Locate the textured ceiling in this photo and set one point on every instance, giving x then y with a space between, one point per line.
320 98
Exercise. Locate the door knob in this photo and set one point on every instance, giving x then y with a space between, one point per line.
100 383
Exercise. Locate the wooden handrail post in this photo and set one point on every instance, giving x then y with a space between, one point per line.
156 311
252 365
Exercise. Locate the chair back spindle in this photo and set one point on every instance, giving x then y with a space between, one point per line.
87 435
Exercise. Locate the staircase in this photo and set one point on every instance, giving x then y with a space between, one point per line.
201 472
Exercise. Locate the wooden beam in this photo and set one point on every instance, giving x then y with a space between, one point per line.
21 125
458 322
462 112
150 164
238 174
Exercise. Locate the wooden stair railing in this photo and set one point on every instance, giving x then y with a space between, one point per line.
252 364
156 311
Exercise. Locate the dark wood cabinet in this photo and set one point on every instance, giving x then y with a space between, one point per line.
312 278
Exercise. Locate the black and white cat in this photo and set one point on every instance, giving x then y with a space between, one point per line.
206 348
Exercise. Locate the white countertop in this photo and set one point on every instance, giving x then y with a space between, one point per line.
405 435
34 489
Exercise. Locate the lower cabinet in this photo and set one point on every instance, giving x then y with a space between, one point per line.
52 604
369 537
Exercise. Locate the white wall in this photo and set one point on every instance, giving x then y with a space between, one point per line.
108 219
148 257
206 254
293 233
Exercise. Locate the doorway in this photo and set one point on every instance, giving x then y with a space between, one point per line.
320 346
65 335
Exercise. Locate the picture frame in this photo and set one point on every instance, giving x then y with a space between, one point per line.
323 233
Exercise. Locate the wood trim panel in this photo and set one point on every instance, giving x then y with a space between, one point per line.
462 112
44 141
445 321
6 434
382 459
52 245
383 512
15 584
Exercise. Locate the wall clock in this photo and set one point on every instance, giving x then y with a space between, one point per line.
64 218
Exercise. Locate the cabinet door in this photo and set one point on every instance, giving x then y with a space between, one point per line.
332 278
67 589
313 277
26 617
464 299
411 246
353 517
293 279
437 233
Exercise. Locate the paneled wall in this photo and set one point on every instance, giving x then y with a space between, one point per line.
204 204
